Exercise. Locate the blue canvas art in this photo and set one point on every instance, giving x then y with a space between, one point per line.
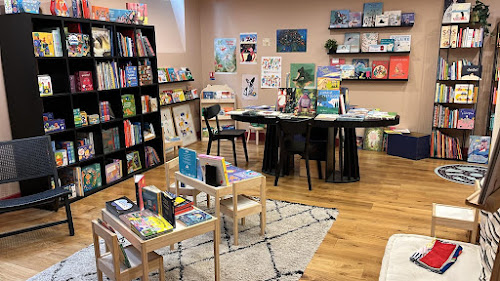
291 40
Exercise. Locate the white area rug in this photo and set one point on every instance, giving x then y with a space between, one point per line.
293 234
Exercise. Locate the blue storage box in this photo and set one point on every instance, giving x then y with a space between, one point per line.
413 146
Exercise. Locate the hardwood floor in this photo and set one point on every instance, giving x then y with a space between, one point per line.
393 196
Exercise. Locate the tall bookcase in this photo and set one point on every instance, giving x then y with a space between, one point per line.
454 141
494 83
25 106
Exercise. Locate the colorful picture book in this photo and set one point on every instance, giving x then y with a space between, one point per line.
151 157
194 217
380 69
360 66
91 177
121 206
479 149
368 39
100 13
128 104
443 146
113 170
146 224
306 102
133 162
353 40
78 44
219 176
407 19
328 102
466 117
355 19
141 12
235 174
373 139
370 13
102 42
45 85
398 67
122 15
43 44
339 19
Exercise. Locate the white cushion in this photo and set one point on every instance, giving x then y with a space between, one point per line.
396 265
454 212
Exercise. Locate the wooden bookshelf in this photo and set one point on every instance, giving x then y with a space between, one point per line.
494 82
25 106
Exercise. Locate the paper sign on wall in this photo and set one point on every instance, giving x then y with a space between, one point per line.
248 48
225 55
271 72
249 86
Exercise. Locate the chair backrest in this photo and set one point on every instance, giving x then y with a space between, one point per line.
209 113
111 241
289 129
174 163
25 159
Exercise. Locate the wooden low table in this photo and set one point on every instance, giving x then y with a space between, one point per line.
180 233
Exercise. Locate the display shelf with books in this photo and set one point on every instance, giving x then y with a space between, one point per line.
495 76
80 98
173 82
458 75
369 53
224 96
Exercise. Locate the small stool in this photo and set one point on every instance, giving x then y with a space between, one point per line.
455 217
257 128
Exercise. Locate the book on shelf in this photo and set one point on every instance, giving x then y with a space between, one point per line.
306 102
370 12
352 39
91 177
166 97
84 81
162 75
214 169
453 70
194 217
110 140
444 146
121 206
149 131
128 105
398 67
328 102
402 43
145 72
151 198
407 19
380 69
61 157
141 12
360 66
460 12
144 47
444 93
355 19
122 16
172 75
151 156
100 13
382 20
107 75
466 118
133 162
103 46
113 170
343 49
128 75
389 44
445 37
394 18
43 44
368 39
68 149
72 176
479 149
339 19
146 224
50 124
45 85
337 62
78 45
471 72
347 71
149 104
465 93
105 111
125 44
85 145
132 132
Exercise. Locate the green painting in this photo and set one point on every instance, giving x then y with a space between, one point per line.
302 75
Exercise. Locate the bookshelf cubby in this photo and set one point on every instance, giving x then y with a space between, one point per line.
454 140
25 106
494 82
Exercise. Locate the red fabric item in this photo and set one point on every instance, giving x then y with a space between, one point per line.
439 254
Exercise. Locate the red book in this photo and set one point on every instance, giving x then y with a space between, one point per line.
380 69
84 79
398 67
183 210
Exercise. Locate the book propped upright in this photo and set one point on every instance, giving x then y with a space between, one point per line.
140 183
121 206
187 162
217 162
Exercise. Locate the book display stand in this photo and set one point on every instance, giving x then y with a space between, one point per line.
23 64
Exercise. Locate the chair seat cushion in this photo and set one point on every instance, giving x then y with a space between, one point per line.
38 198
396 265
231 132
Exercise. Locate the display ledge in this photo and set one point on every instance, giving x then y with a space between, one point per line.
369 27
462 48
369 53
84 20
217 100
82 162
221 118
133 147
378 80
454 103
114 151
179 102
93 57
173 82
458 81
446 158
442 128
112 121
460 23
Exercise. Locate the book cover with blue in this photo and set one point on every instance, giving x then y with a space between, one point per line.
328 102
131 76
479 149
339 19
194 217
188 163
329 71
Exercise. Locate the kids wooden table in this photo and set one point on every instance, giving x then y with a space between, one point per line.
179 234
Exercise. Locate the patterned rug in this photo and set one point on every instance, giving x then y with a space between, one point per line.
459 173
293 234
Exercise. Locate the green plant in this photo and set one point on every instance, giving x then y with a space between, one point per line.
481 13
331 44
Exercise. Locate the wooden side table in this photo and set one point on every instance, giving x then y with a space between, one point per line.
179 234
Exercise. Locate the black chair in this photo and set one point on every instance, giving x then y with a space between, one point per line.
211 112
28 159
295 138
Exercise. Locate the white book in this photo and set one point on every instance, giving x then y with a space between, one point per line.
454 36
8 6
56 37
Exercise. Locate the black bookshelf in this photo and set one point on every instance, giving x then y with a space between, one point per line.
460 135
25 106
494 83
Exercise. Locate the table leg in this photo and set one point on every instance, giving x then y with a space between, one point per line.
216 249
263 203
270 150
341 153
145 261
330 153
348 158
217 213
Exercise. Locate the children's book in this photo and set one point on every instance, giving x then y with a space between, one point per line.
281 100
402 43
398 67
462 93
394 17
43 44
328 71
151 198
381 20
370 12
368 39
100 13
146 224
407 19
445 37
348 71
466 117
78 44
355 19
235 174
373 139
471 72
328 77
339 19
121 15
220 169
140 183
193 217
102 41
479 149
141 12
113 171
45 85
389 43
168 208
91 177
290 100
121 206
162 75
352 39
187 162
128 103
359 67
328 102
460 12
133 162
306 102
380 69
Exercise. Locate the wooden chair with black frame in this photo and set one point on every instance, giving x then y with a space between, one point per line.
211 112
295 138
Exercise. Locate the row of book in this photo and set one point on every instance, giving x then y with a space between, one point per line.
106 111
125 45
82 119
462 69
445 117
455 37
308 102
107 75
79 180
396 68
209 95
132 132
170 74
85 145
149 104
144 47
372 15
64 153
460 93
443 146
151 157
369 43
177 95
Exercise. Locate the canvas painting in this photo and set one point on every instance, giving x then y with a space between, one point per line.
370 12
249 86
270 72
291 40
248 48
184 124
479 149
225 55
302 75
373 139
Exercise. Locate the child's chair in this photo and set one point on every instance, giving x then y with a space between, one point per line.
183 190
109 263
239 205
257 128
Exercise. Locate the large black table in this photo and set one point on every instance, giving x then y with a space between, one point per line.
348 167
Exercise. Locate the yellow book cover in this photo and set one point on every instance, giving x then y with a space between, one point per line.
43 44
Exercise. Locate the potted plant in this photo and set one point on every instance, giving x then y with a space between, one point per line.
480 14
331 46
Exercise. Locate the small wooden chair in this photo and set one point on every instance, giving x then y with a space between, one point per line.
109 262
257 128
168 145
239 205
455 217
183 190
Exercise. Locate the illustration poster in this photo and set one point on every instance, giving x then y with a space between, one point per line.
270 72
302 75
184 124
249 86
225 55
167 123
291 40
248 48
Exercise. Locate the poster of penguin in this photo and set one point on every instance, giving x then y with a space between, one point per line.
249 86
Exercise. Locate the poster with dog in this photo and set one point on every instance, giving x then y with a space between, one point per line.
249 86
248 48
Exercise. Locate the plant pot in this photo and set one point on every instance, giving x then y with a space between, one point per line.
474 17
332 51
